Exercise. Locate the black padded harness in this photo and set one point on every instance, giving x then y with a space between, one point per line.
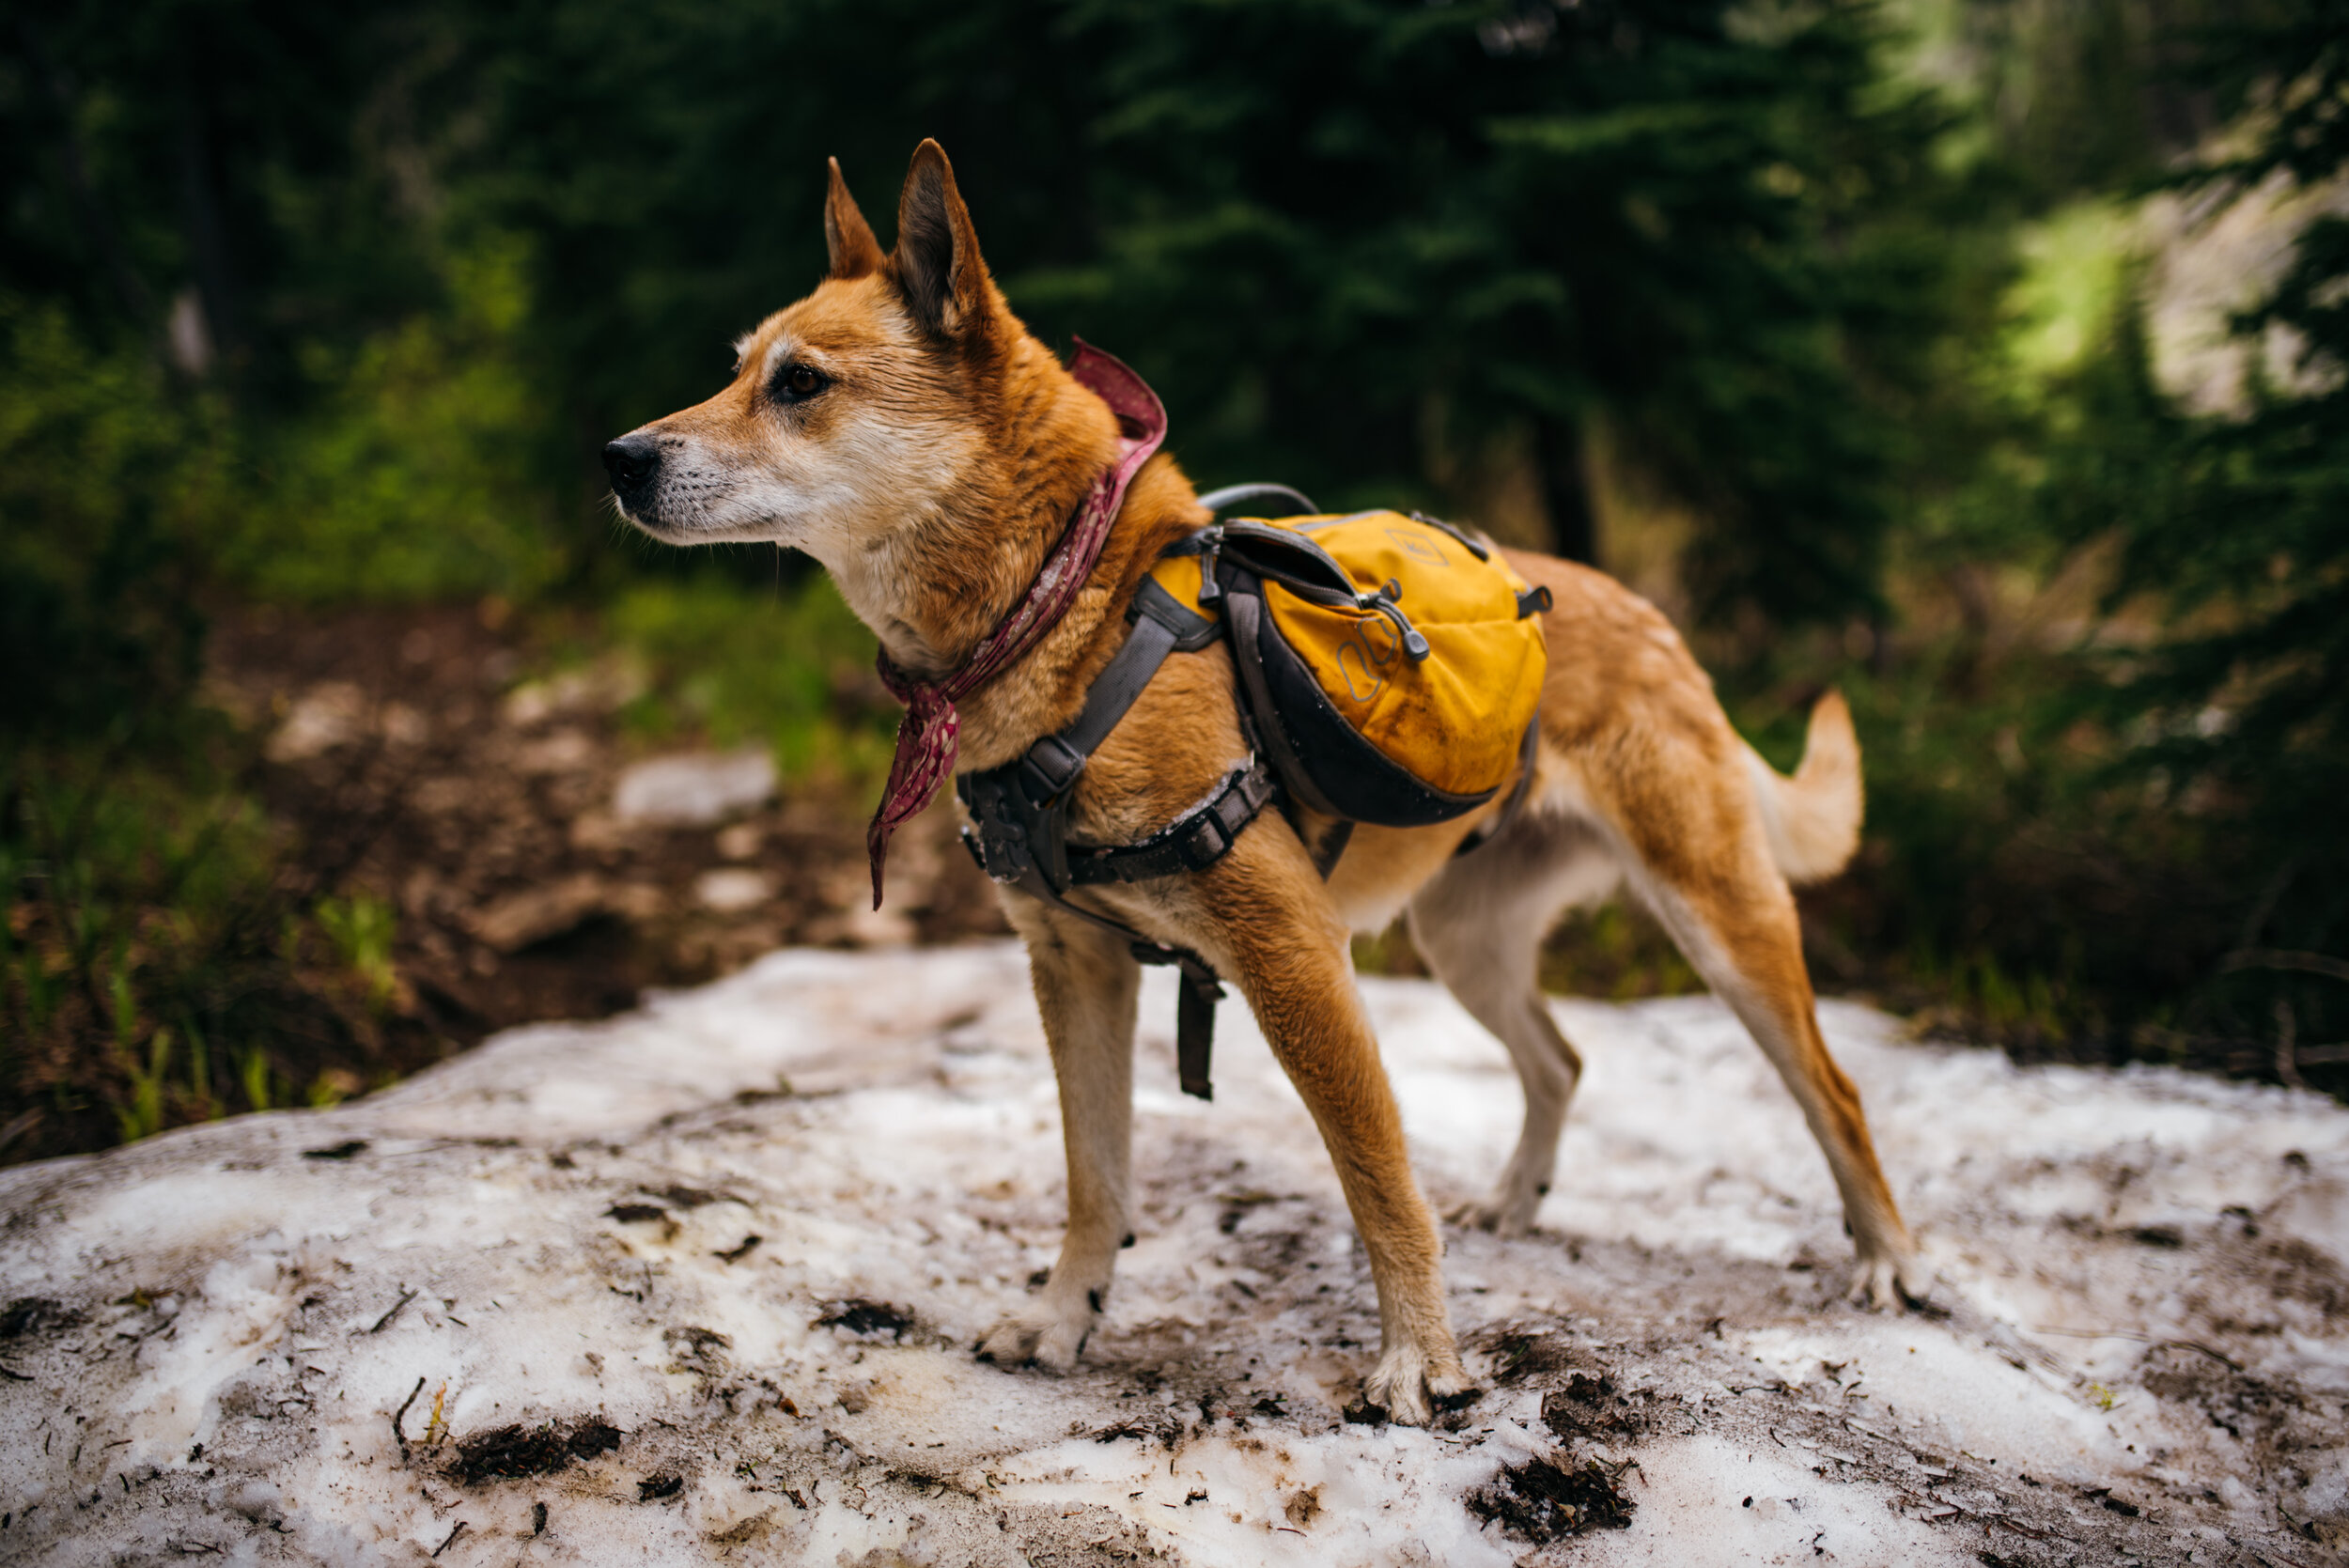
1019 831
1019 818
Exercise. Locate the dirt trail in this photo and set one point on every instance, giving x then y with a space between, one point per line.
411 755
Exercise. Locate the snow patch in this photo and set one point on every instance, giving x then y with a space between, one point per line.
701 1283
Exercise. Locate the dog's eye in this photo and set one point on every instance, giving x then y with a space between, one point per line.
800 382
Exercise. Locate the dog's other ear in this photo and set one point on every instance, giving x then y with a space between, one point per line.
936 259
847 237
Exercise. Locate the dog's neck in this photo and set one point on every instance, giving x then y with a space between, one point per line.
933 587
958 560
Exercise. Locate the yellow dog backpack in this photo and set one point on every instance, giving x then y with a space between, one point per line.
1392 663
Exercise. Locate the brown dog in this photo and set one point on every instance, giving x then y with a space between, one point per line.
901 425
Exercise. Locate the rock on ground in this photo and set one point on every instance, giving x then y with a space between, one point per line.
700 1285
694 789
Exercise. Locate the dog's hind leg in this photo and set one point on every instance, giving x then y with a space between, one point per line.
1480 924
1085 988
1702 863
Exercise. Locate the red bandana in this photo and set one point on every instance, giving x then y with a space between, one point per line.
926 735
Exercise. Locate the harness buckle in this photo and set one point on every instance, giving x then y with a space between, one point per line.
1208 838
998 836
1049 768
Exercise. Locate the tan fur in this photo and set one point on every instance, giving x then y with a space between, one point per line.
932 476
1812 819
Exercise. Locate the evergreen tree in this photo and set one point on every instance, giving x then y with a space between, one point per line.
2241 526
1339 235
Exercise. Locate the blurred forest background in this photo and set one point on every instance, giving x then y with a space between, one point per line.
1981 357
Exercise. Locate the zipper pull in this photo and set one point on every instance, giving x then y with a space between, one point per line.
1415 646
1209 589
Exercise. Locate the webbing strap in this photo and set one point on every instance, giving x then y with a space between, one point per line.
1245 612
1194 842
1162 626
1021 810
1198 987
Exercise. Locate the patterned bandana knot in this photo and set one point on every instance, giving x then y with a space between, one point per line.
927 745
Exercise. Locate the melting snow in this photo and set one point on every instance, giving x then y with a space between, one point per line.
700 1285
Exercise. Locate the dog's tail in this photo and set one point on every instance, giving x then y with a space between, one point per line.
1812 819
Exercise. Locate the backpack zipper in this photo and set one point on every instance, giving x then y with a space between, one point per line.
1212 541
1415 647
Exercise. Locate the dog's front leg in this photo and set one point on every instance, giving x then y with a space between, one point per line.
1085 987
1289 950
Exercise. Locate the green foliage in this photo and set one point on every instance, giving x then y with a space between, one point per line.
793 668
131 890
2240 525
361 929
147 924
403 482
2072 287
332 307
1340 238
2003 881
2069 97
2117 839
254 1073
1354 245
106 481
277 162
142 1117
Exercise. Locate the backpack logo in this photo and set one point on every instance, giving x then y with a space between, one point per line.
1417 546
1365 655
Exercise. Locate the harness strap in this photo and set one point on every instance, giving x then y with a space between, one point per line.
1195 840
1020 811
1022 808
1245 612
1198 990
1162 626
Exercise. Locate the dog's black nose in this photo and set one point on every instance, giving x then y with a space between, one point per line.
631 460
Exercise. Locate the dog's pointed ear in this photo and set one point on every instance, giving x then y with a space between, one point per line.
937 260
847 237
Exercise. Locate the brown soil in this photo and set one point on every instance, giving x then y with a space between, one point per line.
413 759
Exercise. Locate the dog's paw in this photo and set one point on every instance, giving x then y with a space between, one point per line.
1410 1390
1506 1215
1040 1337
1889 1282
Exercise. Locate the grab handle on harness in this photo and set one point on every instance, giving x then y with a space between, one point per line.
1232 495
1198 989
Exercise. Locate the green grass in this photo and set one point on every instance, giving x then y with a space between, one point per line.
159 962
361 929
790 666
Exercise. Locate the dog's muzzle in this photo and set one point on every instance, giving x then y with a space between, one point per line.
633 461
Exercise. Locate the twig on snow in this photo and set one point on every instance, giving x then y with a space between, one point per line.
401 1414
385 1321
